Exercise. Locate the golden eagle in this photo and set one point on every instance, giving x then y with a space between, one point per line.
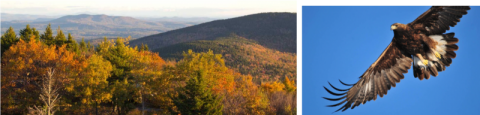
422 42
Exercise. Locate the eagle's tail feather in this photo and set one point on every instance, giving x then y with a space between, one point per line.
438 57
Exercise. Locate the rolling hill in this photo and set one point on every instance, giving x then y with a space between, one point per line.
271 30
241 54
97 26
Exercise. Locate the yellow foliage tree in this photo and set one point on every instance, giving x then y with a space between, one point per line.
91 85
271 87
219 77
256 102
146 71
289 85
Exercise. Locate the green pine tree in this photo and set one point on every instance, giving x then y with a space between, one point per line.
71 43
197 98
146 47
89 46
8 39
60 38
142 48
83 45
26 33
36 34
47 36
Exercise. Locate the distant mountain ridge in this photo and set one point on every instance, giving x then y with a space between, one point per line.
98 26
271 30
109 21
176 19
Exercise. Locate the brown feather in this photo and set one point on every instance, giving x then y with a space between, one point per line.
433 70
394 76
415 72
375 89
391 78
401 67
426 73
398 72
452 47
381 82
439 18
451 41
387 81
451 54
421 74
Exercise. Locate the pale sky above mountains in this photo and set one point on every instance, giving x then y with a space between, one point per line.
148 8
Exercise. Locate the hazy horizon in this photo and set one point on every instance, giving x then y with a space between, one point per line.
147 8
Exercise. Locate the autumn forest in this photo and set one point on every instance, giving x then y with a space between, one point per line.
43 73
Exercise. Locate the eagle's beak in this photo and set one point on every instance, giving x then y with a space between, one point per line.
393 27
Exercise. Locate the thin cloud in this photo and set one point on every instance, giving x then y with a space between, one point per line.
148 8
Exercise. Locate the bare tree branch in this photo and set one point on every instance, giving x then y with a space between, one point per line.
49 96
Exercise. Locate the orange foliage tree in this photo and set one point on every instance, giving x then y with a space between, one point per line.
25 62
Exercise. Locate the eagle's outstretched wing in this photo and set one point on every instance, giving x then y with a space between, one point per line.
438 19
433 23
387 70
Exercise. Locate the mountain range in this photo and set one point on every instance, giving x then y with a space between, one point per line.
93 26
178 19
272 30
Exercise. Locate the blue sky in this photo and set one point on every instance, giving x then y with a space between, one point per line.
341 42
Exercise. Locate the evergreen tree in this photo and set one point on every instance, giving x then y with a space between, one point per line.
8 39
36 33
83 45
89 46
60 38
47 36
71 43
142 48
197 98
26 33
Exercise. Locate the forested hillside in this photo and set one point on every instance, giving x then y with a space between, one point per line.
242 55
271 30
45 73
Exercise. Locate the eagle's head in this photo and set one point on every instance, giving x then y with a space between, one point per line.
398 27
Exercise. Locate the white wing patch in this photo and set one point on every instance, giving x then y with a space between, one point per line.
432 56
440 48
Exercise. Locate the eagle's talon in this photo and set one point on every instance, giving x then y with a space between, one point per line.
438 55
425 62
